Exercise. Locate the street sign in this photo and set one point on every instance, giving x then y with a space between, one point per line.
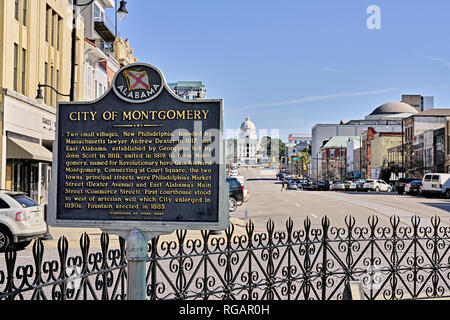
139 157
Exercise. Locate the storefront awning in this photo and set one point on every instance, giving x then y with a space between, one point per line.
20 149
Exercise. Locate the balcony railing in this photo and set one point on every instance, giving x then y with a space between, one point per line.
105 28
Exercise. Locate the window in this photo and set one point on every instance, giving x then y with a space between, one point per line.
96 11
16 66
427 179
24 70
24 11
435 179
51 83
58 33
47 23
332 153
53 29
25 201
3 204
16 9
57 80
45 82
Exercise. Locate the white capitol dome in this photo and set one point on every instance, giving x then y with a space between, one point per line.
248 129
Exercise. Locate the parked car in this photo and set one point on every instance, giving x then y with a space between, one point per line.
357 185
400 184
323 185
337 186
377 186
310 185
292 185
414 187
21 220
346 185
433 183
304 184
236 194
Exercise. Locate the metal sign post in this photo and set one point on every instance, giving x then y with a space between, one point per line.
139 162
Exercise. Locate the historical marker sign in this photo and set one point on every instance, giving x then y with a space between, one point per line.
139 157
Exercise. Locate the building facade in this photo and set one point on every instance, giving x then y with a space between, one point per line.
333 160
248 143
35 47
99 45
418 130
385 118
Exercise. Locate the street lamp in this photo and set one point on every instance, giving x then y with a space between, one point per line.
40 96
121 13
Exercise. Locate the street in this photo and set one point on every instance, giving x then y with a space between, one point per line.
267 201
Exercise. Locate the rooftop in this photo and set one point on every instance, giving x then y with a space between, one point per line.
339 142
394 107
437 112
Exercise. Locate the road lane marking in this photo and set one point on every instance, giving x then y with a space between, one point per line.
298 205
314 215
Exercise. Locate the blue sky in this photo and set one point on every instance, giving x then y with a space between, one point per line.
291 64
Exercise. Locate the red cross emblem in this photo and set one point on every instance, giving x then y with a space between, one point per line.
137 80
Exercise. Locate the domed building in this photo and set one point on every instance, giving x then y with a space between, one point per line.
248 143
395 109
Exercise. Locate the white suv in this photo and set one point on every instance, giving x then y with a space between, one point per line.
377 185
21 220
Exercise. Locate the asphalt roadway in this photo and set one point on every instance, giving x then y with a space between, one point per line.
267 201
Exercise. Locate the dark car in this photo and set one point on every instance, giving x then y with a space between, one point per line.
400 184
236 193
310 185
323 186
414 187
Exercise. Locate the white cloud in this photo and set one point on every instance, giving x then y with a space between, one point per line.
319 98
445 62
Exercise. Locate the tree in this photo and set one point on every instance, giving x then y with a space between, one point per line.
268 142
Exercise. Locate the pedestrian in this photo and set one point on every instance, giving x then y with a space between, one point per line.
282 186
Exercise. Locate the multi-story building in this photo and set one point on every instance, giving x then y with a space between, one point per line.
100 64
415 127
439 154
105 53
123 52
190 90
445 145
386 118
353 147
248 143
333 160
419 102
35 47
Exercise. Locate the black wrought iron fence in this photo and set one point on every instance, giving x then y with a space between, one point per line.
93 275
392 262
